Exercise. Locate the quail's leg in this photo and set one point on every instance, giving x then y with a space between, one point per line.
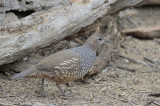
63 94
60 89
69 84
42 88
84 81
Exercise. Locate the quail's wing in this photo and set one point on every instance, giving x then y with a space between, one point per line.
64 62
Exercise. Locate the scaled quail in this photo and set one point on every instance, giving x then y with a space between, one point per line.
67 65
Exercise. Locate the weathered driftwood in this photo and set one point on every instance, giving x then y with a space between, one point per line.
146 33
135 25
41 29
150 2
23 5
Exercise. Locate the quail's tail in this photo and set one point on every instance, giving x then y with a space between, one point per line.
24 73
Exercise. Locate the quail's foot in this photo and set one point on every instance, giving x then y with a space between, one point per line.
69 84
41 93
63 93
83 81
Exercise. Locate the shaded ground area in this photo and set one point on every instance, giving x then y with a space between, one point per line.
112 87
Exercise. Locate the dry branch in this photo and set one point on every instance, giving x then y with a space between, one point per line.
150 2
149 32
154 94
126 68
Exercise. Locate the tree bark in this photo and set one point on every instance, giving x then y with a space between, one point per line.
150 2
24 5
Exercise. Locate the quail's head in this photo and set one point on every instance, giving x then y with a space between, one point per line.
96 40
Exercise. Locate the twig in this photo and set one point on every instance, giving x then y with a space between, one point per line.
149 60
7 96
156 103
154 66
152 63
154 94
123 67
79 41
135 61
126 68
149 102
96 80
57 99
131 21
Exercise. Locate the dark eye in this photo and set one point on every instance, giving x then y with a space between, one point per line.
100 39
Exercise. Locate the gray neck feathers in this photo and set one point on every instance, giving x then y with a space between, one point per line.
87 55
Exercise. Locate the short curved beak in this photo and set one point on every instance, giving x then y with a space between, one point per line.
106 40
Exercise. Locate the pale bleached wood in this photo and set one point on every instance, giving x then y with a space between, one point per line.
145 33
150 2
23 5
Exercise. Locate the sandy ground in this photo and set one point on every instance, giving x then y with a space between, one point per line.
112 87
